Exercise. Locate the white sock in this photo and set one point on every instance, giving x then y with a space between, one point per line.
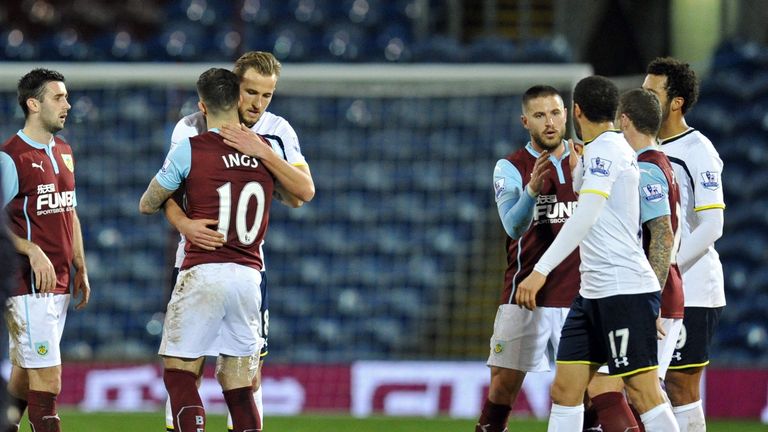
659 419
168 414
690 417
566 418
259 406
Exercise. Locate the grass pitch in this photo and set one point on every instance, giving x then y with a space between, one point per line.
75 421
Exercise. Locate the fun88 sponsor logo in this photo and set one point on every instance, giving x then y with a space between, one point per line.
550 211
49 201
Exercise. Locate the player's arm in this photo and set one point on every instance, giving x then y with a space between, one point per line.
710 229
515 203
154 198
655 214
175 169
82 287
42 269
287 198
709 207
195 230
660 247
295 180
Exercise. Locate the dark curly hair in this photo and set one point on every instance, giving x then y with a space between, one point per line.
681 80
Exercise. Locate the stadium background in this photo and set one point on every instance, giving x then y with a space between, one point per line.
383 288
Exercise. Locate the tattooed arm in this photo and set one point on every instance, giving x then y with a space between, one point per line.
660 247
153 198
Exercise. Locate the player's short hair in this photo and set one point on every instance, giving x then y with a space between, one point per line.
263 62
643 109
681 80
219 89
32 85
538 91
598 98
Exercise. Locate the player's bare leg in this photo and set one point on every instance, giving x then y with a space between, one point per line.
682 387
571 380
44 387
502 393
646 395
180 376
609 408
18 387
235 374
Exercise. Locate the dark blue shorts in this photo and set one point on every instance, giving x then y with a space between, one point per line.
692 349
264 309
617 330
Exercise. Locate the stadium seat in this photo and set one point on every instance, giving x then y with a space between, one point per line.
292 42
492 49
439 49
18 45
553 50
343 42
179 41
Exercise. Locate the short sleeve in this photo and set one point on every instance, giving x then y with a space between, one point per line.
507 182
9 178
600 169
707 171
176 166
291 144
654 192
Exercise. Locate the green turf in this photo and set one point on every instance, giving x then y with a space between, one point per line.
73 421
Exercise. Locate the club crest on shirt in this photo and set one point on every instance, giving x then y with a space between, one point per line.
710 180
68 161
600 167
499 186
653 192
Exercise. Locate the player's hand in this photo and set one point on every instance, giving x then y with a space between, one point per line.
45 275
540 168
197 232
660 333
245 141
81 289
527 290
576 150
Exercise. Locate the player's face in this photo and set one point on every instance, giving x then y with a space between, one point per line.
257 91
657 84
545 118
54 107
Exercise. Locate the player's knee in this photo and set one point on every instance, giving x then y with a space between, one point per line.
604 384
563 393
505 385
236 372
682 388
644 391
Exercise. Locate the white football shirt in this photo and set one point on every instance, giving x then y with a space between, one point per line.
698 169
612 257
269 125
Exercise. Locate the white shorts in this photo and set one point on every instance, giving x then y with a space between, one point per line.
665 346
35 324
672 327
214 309
521 338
